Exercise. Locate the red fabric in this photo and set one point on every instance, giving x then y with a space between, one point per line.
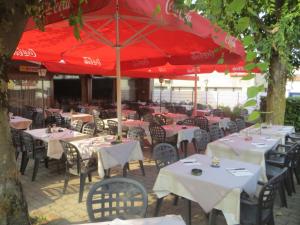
163 38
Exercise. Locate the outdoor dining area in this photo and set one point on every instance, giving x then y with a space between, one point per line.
211 160
134 161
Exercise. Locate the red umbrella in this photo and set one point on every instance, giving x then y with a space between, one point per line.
128 34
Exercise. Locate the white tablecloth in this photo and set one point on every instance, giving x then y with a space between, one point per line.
164 220
21 123
55 149
109 155
223 122
157 109
183 134
273 131
78 116
128 112
175 117
203 112
215 188
237 148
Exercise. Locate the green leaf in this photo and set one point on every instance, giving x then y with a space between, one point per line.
261 88
254 116
76 32
250 56
236 6
157 10
248 40
243 24
252 92
263 66
249 76
220 61
250 66
250 102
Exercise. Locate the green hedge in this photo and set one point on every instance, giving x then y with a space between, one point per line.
292 111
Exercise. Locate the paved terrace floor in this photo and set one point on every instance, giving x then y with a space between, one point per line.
45 198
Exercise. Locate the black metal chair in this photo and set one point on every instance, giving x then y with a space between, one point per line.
217 112
116 197
200 141
295 137
77 166
16 136
188 122
164 154
59 120
158 135
148 117
202 122
137 133
76 125
103 114
232 127
89 128
112 127
215 132
38 121
240 124
34 151
100 126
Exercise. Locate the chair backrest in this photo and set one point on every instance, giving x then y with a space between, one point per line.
164 154
201 138
232 127
158 134
103 114
132 116
112 127
28 142
38 121
77 125
189 122
89 128
217 112
137 133
59 120
16 136
116 197
202 122
160 119
148 117
215 132
267 196
99 124
240 124
73 158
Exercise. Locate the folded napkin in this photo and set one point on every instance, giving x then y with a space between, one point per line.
190 162
239 172
259 145
120 222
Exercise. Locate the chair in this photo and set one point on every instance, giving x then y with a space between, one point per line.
116 197
100 126
103 114
215 132
76 125
112 127
137 133
295 137
59 120
232 127
34 151
160 119
188 122
89 128
38 121
240 124
217 112
164 154
260 211
148 117
77 166
202 122
158 134
16 136
200 141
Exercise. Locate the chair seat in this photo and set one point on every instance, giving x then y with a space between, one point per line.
272 171
249 213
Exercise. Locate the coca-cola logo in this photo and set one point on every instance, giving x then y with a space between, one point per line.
240 68
171 9
202 55
23 52
91 61
230 41
58 7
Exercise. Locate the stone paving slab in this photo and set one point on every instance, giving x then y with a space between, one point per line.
45 198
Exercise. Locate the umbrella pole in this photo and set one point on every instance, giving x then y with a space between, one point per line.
195 96
118 72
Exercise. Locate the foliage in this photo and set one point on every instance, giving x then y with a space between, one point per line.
267 28
38 220
292 112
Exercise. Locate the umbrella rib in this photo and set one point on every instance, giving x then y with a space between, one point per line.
98 35
133 37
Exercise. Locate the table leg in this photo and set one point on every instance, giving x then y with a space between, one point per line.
158 205
142 167
189 212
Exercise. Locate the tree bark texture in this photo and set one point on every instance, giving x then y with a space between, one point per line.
13 206
276 100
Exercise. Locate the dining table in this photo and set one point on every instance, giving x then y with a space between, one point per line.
279 131
54 148
222 121
86 118
109 153
250 149
211 187
19 122
174 117
162 220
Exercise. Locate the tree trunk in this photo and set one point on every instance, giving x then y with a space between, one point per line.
13 207
276 100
